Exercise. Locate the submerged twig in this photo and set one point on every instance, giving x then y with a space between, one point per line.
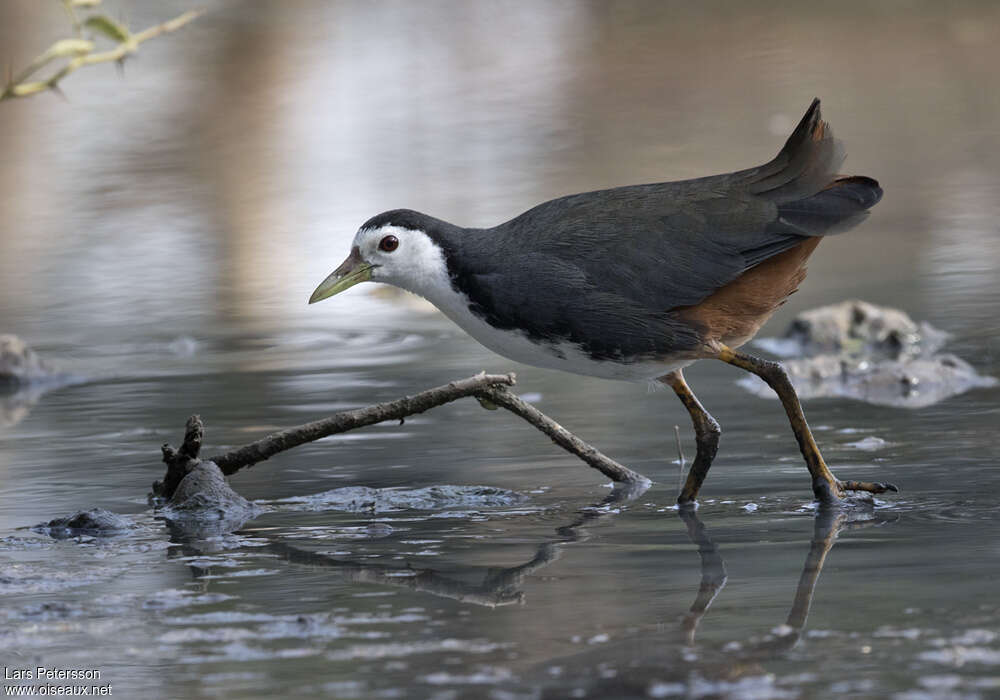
489 389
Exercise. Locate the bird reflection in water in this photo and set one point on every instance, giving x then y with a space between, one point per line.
504 586
651 654
499 586
827 524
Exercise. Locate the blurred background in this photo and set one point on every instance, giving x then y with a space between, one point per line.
214 183
162 229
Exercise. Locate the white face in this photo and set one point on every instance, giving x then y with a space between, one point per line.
405 258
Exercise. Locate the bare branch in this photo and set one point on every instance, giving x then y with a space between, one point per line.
86 57
258 451
490 389
180 461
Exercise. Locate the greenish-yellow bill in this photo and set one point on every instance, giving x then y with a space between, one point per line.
351 272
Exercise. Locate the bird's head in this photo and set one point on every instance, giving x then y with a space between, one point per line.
395 247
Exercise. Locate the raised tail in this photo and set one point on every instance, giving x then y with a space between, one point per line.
841 205
802 180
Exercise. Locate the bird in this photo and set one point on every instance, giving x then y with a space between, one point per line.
635 283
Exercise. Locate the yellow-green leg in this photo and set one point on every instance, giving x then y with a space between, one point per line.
826 486
706 433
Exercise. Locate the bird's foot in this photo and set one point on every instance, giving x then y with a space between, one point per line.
836 492
869 486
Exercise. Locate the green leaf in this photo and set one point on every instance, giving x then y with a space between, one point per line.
67 48
84 3
102 24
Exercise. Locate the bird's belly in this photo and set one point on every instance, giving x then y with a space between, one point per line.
561 355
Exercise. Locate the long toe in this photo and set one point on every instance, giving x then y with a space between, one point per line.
869 486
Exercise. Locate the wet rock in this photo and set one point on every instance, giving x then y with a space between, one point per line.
24 378
870 353
20 365
96 522
205 486
205 505
860 329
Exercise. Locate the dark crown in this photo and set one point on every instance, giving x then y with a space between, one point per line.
403 218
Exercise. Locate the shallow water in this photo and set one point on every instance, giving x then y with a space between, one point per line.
160 235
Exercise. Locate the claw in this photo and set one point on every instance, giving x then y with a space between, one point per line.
876 487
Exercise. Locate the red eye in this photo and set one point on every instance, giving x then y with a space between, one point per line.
388 244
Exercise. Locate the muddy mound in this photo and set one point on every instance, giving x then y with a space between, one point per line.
871 353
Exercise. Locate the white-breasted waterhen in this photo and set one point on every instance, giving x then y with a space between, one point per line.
637 282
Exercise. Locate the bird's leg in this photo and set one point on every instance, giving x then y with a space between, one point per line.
706 433
826 487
